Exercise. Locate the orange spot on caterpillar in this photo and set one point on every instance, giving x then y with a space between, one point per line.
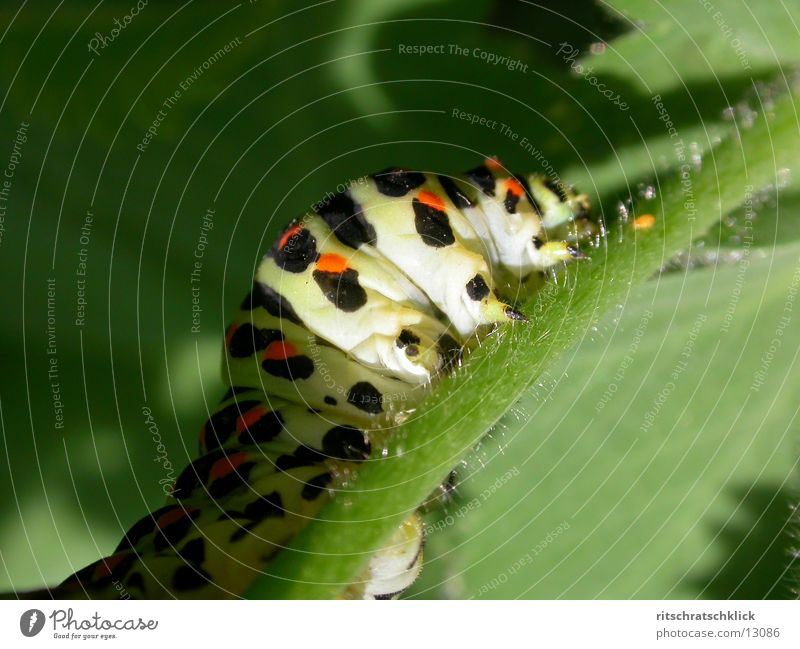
644 222
168 518
227 465
330 263
493 162
106 566
514 186
248 418
279 350
431 200
229 335
288 235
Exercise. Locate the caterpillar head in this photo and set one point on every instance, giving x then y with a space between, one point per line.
521 219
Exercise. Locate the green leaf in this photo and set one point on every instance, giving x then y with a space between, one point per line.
683 43
329 553
770 222
652 462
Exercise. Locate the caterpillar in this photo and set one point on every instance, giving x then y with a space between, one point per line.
355 310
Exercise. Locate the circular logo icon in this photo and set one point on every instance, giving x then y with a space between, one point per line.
31 622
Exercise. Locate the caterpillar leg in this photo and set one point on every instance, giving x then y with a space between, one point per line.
393 568
552 253
559 202
442 495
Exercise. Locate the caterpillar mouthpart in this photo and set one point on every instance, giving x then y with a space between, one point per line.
513 314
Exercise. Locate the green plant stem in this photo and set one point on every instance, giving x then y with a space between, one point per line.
331 551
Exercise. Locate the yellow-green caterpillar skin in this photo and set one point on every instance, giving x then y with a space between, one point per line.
353 312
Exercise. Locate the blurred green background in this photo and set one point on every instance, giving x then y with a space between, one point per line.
308 96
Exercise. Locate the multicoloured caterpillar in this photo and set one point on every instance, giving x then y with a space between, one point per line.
354 311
